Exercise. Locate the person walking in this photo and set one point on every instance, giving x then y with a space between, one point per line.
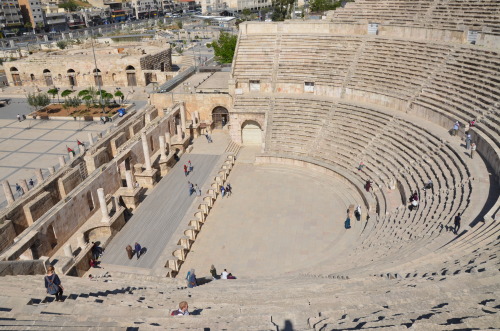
472 150
53 283
130 252
357 213
190 166
456 126
468 140
19 189
18 117
138 248
458 218
222 191
228 189
185 170
190 188
197 190
31 182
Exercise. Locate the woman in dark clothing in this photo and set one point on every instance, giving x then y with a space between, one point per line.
53 284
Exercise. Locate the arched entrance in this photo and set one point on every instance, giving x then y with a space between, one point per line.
15 76
251 133
131 80
72 77
47 75
220 117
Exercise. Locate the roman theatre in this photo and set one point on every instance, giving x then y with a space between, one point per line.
310 112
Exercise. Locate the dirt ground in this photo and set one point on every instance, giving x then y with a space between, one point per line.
83 110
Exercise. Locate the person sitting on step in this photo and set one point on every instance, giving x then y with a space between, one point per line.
182 311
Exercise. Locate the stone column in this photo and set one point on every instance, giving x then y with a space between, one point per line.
103 205
39 176
24 185
183 117
71 156
145 149
180 132
82 149
52 170
193 118
91 139
197 115
129 180
8 192
68 251
162 148
62 161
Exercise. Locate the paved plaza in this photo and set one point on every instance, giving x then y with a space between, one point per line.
36 144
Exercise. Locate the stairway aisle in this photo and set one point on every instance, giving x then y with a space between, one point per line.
159 215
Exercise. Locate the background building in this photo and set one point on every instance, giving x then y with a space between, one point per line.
10 16
32 12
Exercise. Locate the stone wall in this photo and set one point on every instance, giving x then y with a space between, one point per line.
37 207
31 267
202 103
69 181
155 61
7 233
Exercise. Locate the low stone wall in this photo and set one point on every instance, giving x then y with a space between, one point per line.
28 267
7 233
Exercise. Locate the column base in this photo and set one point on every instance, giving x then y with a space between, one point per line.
147 178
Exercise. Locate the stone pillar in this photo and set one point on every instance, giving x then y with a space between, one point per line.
8 192
80 237
71 156
193 118
197 115
68 251
91 139
129 179
52 170
62 161
183 117
39 176
82 149
180 132
145 149
103 205
24 185
162 148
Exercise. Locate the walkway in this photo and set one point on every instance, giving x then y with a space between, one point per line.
157 218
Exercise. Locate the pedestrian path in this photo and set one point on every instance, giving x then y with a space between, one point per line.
157 218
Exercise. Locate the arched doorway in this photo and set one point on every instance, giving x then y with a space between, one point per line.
72 77
15 76
48 77
220 117
131 80
97 77
251 133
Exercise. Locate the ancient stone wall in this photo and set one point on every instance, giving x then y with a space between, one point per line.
7 233
69 181
202 103
37 207
155 61
117 142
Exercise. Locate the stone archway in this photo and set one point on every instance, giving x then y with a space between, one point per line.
220 117
72 77
251 133
16 78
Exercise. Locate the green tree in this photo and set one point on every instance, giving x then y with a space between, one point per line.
281 9
324 5
120 95
72 102
38 101
179 24
66 93
28 25
246 12
62 44
224 47
69 5
53 92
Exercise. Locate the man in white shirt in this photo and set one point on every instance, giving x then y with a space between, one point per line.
224 274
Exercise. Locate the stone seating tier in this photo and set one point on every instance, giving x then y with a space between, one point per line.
474 14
